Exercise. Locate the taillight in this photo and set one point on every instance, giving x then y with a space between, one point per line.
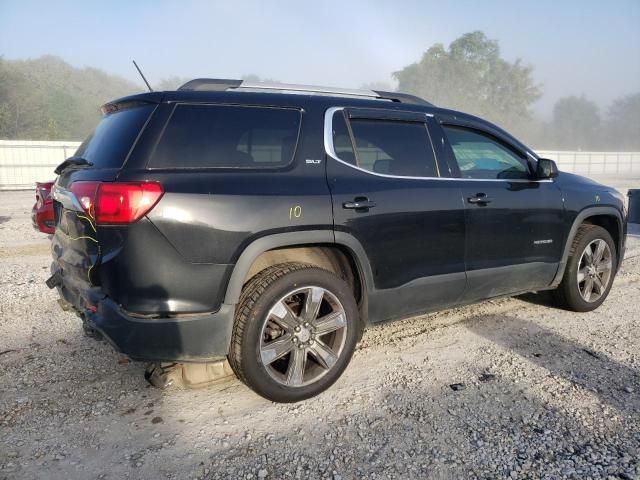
43 193
117 203
85 193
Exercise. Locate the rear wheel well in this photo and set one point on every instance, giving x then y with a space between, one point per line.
610 224
330 257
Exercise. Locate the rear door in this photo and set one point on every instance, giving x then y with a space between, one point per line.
514 222
388 193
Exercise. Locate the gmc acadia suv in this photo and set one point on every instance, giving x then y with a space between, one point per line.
270 224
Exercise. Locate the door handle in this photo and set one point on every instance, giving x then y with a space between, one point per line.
361 204
480 199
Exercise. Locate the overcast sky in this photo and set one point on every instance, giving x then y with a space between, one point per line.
576 47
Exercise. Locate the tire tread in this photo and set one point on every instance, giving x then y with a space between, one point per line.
250 294
561 294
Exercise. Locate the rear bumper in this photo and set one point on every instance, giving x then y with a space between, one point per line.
193 338
188 338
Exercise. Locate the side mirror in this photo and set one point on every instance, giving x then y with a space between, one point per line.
546 169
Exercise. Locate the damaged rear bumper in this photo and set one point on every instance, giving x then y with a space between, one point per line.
188 338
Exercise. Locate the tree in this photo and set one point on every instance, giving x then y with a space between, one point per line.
576 123
470 76
46 98
623 123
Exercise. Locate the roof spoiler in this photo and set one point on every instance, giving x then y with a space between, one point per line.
131 101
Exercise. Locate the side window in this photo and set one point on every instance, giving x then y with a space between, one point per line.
341 139
204 136
394 147
480 156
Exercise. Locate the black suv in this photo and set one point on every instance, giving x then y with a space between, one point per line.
269 224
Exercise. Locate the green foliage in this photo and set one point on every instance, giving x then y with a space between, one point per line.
576 123
623 123
470 76
46 98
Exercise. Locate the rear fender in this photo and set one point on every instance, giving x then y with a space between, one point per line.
263 244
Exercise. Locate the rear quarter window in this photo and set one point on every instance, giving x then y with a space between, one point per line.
225 136
110 143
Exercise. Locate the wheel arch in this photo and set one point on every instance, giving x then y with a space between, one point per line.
318 247
606 217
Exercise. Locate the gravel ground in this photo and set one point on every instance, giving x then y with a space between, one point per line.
508 388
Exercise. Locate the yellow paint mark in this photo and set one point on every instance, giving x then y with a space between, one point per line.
295 212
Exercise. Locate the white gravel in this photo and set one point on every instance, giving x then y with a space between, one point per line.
543 394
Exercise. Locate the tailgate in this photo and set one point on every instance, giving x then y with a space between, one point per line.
74 246
77 245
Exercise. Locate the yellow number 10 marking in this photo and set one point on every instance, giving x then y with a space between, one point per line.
295 212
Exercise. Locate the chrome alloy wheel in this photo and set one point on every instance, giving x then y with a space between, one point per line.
303 336
594 270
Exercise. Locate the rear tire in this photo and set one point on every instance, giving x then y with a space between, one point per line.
295 331
590 270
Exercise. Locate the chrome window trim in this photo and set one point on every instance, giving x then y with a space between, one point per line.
330 151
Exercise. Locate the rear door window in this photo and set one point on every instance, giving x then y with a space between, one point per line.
392 147
222 136
110 143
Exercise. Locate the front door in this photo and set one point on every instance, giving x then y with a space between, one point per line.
514 222
387 192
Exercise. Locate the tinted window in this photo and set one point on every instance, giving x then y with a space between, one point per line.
394 148
109 144
341 139
480 156
227 136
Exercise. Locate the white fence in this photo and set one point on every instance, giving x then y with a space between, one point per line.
22 163
595 163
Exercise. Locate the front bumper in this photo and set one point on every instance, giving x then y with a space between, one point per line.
186 338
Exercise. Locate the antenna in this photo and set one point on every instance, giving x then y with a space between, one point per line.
142 75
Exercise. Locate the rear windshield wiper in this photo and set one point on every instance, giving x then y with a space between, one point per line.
72 162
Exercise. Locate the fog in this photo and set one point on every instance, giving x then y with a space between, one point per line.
572 65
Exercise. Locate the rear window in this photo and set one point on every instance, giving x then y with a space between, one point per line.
109 144
210 136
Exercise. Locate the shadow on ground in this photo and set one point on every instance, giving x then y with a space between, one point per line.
563 357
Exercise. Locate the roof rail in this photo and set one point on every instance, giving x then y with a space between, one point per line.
210 84
403 98
218 84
